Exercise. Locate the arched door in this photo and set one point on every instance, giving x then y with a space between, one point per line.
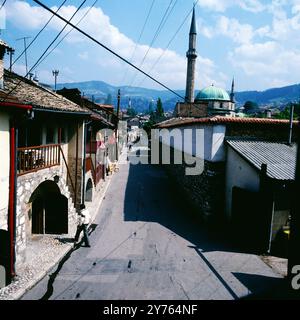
49 210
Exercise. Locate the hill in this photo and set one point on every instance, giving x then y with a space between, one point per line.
141 97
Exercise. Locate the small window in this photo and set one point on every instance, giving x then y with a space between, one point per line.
63 135
50 135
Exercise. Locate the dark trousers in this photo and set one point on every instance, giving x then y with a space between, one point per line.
83 228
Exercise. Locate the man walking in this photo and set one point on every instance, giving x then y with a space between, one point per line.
84 220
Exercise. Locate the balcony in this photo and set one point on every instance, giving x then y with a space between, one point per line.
32 159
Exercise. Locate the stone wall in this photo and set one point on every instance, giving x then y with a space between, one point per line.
190 110
26 185
3 218
204 192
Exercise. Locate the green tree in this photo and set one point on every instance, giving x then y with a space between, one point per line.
150 108
285 113
250 107
108 99
131 112
159 108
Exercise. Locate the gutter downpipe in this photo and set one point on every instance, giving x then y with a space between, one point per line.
76 167
83 162
12 198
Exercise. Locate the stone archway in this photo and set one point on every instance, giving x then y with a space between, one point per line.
49 210
89 190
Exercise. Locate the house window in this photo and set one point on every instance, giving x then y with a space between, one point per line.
63 135
50 135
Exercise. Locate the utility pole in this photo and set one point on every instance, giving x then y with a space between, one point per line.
25 51
55 74
291 123
11 52
117 123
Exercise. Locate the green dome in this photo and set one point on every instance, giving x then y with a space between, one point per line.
212 93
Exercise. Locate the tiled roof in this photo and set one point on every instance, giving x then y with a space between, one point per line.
9 98
177 122
280 158
96 116
30 92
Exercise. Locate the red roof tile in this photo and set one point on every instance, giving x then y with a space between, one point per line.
178 122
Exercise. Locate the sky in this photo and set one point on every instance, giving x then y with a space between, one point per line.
255 41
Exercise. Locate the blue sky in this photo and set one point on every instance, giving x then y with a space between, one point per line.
255 41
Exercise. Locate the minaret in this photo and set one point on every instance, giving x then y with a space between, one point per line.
232 99
191 62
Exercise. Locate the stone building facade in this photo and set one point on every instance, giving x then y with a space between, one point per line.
26 186
206 191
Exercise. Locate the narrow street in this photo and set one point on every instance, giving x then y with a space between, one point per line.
145 245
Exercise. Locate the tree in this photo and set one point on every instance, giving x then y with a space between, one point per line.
131 112
285 113
250 107
108 99
159 108
150 108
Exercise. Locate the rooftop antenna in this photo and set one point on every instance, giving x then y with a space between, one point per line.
25 51
55 74
292 106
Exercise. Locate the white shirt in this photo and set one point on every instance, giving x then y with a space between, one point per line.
85 217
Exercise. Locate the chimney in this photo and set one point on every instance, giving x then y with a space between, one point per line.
3 48
269 113
35 79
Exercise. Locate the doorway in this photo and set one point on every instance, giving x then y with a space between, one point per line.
49 210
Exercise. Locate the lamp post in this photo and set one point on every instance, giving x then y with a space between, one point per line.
55 74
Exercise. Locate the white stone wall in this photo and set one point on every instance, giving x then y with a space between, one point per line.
26 185
4 168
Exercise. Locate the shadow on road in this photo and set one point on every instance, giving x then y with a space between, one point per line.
151 197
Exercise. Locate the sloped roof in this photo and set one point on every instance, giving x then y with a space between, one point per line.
178 122
29 92
280 158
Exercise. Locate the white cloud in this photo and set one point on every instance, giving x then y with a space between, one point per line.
171 69
223 5
231 28
83 55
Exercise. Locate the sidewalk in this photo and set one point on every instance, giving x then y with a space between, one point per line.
43 252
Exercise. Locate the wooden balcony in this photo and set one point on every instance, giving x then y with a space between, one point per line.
31 159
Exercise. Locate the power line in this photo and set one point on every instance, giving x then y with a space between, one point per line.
158 30
3 4
140 36
106 48
169 43
86 13
37 35
45 51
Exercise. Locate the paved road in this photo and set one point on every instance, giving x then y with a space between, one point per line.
146 245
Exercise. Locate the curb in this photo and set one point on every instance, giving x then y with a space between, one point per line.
19 294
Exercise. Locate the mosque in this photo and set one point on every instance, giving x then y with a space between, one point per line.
209 101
